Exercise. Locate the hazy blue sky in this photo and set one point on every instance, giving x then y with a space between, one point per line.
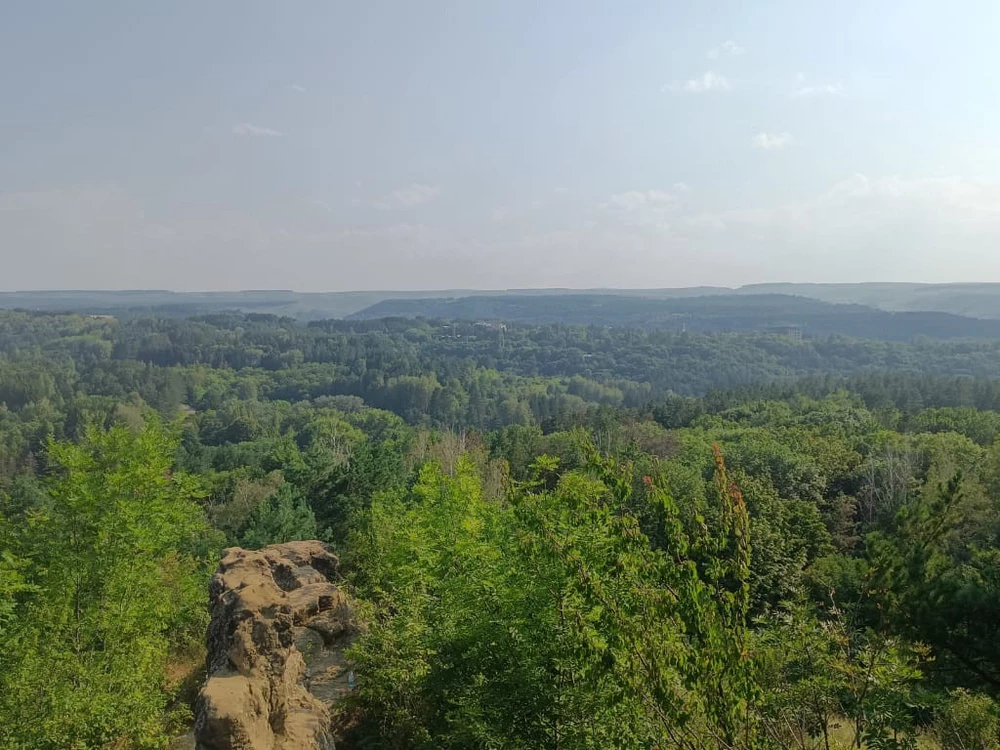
430 144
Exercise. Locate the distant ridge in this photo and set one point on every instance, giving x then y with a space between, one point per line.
301 305
969 300
972 299
745 313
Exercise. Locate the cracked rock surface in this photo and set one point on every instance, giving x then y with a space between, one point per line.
276 666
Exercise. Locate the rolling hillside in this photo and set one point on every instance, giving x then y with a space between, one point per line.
733 312
964 300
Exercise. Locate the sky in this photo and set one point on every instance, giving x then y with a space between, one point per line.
328 145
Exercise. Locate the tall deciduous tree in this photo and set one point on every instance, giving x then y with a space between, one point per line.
549 620
115 562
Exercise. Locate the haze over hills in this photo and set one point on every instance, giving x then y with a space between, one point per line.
301 305
939 310
773 313
977 300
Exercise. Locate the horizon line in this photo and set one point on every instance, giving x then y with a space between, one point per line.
479 290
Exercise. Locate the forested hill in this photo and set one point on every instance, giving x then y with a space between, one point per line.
299 305
977 300
969 300
714 313
440 371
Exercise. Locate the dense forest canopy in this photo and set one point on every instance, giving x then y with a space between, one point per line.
563 536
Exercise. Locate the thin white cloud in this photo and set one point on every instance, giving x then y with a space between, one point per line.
255 131
637 199
728 48
772 141
297 88
862 228
707 81
826 89
682 187
806 88
406 197
415 194
652 209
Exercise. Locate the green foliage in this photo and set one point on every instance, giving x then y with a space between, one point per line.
616 642
283 517
12 586
968 722
941 576
115 577
820 672
502 502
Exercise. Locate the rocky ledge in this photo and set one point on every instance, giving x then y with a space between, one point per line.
276 667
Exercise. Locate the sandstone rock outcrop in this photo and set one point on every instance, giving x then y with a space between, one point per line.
276 668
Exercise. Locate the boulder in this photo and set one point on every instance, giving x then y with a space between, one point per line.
276 666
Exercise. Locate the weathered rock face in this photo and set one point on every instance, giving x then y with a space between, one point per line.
276 667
